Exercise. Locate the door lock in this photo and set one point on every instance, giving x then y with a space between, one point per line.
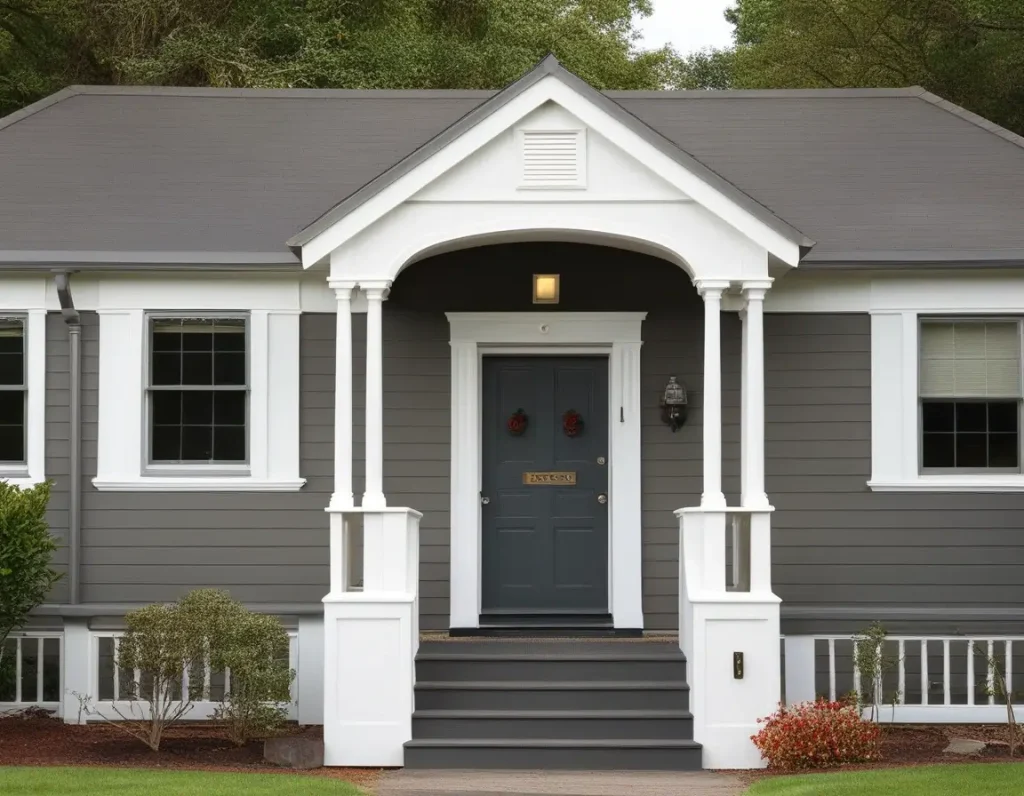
600 459
485 500
602 498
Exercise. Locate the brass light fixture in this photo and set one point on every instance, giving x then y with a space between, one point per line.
545 288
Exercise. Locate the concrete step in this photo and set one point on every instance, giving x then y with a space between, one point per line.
553 724
565 755
556 666
533 695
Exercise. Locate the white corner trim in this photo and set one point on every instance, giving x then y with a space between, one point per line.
273 409
894 414
202 484
619 335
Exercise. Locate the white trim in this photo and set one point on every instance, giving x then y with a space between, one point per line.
549 89
894 404
617 334
273 407
33 471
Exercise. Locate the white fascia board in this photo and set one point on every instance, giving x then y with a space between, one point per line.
548 89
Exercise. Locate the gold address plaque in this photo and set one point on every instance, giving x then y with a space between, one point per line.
548 479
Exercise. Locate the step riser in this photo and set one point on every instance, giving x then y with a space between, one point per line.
577 729
550 670
653 759
552 699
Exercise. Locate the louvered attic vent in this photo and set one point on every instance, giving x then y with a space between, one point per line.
553 159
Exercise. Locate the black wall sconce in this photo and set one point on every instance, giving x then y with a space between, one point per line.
673 404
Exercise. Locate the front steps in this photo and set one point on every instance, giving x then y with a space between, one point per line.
552 703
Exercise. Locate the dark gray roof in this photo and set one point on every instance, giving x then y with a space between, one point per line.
209 176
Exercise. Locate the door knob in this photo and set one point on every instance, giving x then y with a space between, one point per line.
485 500
600 459
602 498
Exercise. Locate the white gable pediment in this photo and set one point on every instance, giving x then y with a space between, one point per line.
550 155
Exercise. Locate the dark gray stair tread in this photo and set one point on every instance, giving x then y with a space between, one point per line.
497 648
553 685
520 657
552 714
554 743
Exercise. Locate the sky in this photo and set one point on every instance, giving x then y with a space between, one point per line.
688 25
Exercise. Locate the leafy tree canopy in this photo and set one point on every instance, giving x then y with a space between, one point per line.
48 44
970 52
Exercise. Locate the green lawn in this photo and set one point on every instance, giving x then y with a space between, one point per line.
91 781
986 779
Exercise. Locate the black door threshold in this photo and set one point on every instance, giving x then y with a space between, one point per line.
546 626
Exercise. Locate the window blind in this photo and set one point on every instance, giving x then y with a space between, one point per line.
970 359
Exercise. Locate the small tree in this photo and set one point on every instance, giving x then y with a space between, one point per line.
26 548
873 664
995 686
162 642
256 654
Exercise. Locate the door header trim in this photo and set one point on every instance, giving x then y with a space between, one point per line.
546 328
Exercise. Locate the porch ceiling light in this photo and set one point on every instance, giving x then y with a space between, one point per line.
545 288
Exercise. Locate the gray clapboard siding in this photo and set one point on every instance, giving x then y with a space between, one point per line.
836 543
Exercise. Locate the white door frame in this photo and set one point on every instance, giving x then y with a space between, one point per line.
616 335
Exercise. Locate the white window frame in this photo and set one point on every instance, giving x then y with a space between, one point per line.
273 445
895 408
33 470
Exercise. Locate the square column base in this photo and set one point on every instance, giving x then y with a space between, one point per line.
369 648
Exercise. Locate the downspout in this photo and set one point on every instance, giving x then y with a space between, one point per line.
74 322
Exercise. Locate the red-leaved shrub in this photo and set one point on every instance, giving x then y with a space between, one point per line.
817 734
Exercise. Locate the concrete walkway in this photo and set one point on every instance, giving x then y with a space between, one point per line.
557 783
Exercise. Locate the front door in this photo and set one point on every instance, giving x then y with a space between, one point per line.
545 485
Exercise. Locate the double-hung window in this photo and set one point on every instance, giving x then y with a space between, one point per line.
198 392
13 393
970 396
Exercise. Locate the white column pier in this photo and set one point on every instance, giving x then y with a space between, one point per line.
752 421
342 498
711 291
373 496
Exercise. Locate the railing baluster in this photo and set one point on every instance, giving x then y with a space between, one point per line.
17 669
970 671
184 684
117 670
990 679
924 672
39 669
832 670
947 696
227 681
206 679
856 670
1008 666
901 652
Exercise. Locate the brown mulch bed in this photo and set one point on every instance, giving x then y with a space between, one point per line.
917 745
46 741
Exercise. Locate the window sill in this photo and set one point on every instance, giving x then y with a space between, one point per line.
197 484
952 483
20 480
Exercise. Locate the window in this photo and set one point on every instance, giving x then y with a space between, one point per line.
198 390
13 391
970 394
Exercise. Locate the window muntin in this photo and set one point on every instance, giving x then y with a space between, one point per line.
13 391
198 390
970 395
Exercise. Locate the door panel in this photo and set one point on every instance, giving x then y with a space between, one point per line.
545 547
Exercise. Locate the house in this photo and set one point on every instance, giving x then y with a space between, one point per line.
384 363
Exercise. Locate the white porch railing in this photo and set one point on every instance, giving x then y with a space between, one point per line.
928 679
113 688
31 672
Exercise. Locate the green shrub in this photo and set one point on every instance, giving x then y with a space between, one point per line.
205 627
26 548
256 654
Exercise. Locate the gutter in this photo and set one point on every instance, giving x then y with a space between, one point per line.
74 322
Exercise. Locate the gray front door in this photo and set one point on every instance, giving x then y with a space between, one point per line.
545 513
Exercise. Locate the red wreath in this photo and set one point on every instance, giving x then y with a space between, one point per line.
517 423
572 423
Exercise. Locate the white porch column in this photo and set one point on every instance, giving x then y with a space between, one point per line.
711 291
752 430
373 497
342 497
